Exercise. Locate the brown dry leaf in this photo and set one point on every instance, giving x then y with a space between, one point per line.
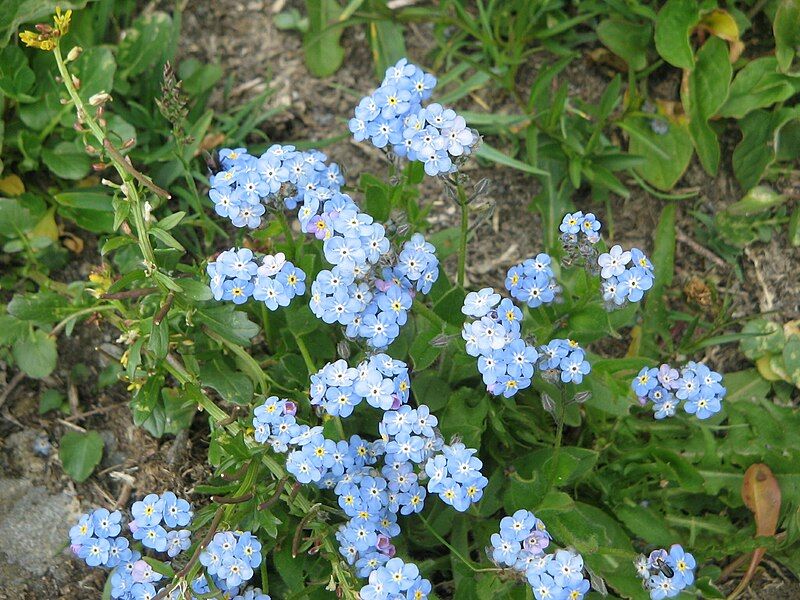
762 495
211 141
72 242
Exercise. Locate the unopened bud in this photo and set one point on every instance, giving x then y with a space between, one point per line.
99 166
91 149
76 82
64 101
102 122
581 397
129 143
343 349
124 189
109 183
548 404
43 28
74 53
441 340
99 98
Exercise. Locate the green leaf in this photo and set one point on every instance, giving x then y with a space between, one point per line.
158 342
14 218
487 152
666 156
51 400
229 323
465 416
786 27
17 12
166 238
36 354
756 152
195 290
630 41
762 337
67 161
173 412
745 386
80 453
388 45
170 221
430 389
41 307
422 352
96 68
757 85
145 44
323 52
705 94
233 386
791 359
674 24
16 77
655 323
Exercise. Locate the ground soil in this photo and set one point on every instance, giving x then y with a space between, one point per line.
242 37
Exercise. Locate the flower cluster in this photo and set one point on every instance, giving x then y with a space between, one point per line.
155 527
520 546
576 227
666 574
507 362
369 288
371 305
533 282
623 283
380 380
395 580
620 283
393 116
698 387
230 558
371 494
236 276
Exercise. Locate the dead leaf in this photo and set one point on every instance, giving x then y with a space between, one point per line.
762 495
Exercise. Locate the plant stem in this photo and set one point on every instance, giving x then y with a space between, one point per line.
449 546
562 405
302 503
301 345
462 242
133 195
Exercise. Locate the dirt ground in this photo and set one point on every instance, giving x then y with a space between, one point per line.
242 37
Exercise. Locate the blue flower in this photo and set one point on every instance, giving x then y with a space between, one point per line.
178 541
571 223
574 367
82 530
94 551
613 262
478 304
682 563
148 511
106 524
646 380
177 512
566 568
505 551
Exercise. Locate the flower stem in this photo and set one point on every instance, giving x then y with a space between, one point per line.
462 246
137 210
449 546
